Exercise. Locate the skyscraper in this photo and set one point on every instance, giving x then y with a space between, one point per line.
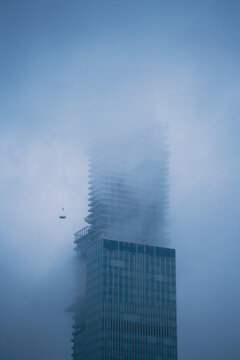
127 306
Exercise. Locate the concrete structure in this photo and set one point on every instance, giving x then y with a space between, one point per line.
128 189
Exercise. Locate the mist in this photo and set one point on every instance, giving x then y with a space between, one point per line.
71 73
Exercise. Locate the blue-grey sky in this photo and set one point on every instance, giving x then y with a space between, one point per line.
72 71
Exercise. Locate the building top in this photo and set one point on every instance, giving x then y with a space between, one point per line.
128 188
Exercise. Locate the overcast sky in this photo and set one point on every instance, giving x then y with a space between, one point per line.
73 70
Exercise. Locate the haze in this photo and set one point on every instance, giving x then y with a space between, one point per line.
73 71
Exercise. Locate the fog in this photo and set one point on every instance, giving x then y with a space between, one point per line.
72 72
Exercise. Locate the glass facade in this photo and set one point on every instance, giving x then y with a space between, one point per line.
130 310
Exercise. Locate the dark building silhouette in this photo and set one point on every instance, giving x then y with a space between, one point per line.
126 282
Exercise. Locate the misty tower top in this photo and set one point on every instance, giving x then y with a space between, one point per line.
126 298
128 187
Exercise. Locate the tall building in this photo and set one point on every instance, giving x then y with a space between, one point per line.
126 293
